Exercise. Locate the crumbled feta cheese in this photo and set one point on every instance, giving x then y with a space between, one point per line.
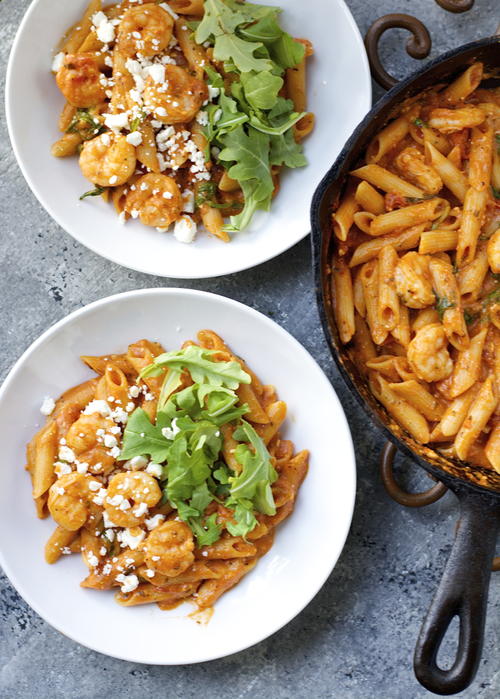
124 505
116 122
109 534
185 229
128 538
136 463
103 551
113 179
154 470
202 118
154 521
110 441
100 497
82 466
128 583
93 560
168 9
217 115
66 454
94 485
134 391
48 405
213 92
61 469
188 201
156 72
170 432
105 30
58 61
115 500
97 406
150 573
140 510
167 195
59 490
134 138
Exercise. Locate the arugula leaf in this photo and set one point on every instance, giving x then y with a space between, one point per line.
171 382
287 52
218 19
252 11
286 151
266 30
442 305
245 519
250 153
241 53
261 89
207 531
202 369
251 190
257 475
141 438
92 192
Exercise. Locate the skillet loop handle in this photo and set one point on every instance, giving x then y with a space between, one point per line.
418 45
463 592
396 492
456 6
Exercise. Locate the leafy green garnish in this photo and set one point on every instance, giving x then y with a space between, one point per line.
469 316
495 192
419 122
187 439
92 126
442 305
205 194
92 193
492 297
250 123
497 139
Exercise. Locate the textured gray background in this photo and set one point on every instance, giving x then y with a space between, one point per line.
356 638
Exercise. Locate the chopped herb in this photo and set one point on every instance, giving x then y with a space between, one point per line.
497 139
417 200
93 192
419 122
495 192
135 123
492 297
205 194
469 316
92 126
442 305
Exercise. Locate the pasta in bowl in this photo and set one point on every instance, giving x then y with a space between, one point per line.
167 472
174 118
283 580
58 182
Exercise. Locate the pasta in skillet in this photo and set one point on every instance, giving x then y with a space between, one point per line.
167 472
175 120
415 274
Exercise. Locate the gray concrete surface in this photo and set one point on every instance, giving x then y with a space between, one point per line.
356 639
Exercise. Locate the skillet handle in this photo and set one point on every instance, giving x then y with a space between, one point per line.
463 592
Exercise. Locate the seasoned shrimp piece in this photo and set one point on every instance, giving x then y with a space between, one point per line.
146 29
69 500
156 200
79 79
82 435
428 353
169 548
177 98
127 495
108 160
413 280
493 252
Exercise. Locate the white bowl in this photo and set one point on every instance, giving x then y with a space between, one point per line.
339 95
307 545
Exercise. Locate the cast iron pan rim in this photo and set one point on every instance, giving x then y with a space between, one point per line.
455 483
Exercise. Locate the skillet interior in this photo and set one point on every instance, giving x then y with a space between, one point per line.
443 69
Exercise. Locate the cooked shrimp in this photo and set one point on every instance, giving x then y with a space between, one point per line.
169 548
108 160
82 435
69 500
156 200
178 98
428 353
144 30
413 280
127 495
79 79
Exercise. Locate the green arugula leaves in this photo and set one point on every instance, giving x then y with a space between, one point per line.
250 123
187 439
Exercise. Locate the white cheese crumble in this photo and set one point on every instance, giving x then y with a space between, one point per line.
58 61
128 583
48 405
136 463
97 406
94 485
110 441
140 510
213 92
185 229
188 201
66 454
154 521
93 560
134 138
156 72
170 432
113 179
127 538
168 9
104 28
154 470
115 122
134 391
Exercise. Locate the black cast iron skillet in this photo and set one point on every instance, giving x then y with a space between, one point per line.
464 586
